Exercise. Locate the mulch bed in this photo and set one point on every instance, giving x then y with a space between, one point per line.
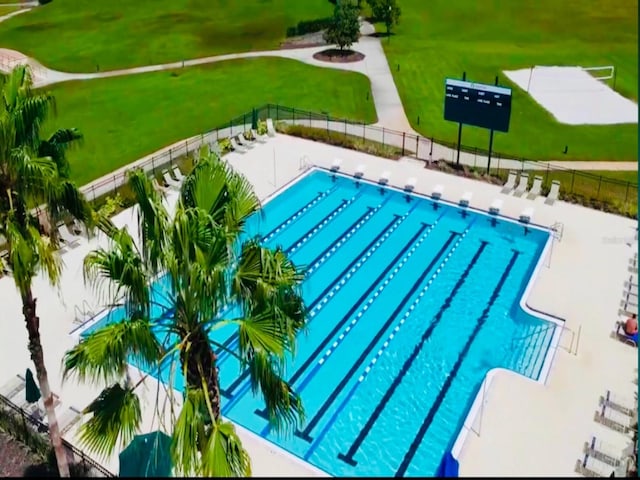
14 457
335 55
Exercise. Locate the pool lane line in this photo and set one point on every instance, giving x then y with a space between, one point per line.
364 432
304 434
346 235
406 461
351 268
297 214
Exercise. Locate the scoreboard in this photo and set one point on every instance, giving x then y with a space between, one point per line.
477 104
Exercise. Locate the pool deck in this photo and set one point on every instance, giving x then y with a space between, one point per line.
524 427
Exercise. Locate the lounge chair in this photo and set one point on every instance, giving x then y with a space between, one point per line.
466 199
553 193
495 206
335 166
623 336
522 185
13 387
243 141
526 215
384 177
410 184
589 466
618 421
69 418
511 182
271 131
236 147
536 188
603 452
177 174
623 405
258 137
66 236
169 181
630 289
360 171
437 192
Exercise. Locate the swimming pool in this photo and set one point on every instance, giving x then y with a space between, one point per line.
411 302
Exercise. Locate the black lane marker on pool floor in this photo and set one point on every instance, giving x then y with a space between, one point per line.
452 375
291 218
325 219
304 434
322 345
348 457
229 392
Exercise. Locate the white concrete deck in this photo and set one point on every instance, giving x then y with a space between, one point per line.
525 428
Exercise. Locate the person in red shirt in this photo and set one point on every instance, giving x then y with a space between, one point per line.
631 326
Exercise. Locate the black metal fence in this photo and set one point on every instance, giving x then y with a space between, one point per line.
621 194
27 429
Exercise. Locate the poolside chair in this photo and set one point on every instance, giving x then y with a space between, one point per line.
243 141
335 166
623 405
536 188
633 264
526 215
553 193
495 206
410 184
69 418
615 420
522 185
384 177
589 466
437 192
13 387
511 182
258 137
623 336
177 174
360 171
603 452
466 199
271 131
169 181
67 238
236 147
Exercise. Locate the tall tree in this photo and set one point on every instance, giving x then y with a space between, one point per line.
213 271
386 11
34 174
344 30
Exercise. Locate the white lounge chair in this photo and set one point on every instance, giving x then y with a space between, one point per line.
243 141
618 421
177 174
522 185
466 199
437 192
603 451
511 182
258 137
526 215
360 171
69 418
410 184
335 166
589 466
271 131
66 236
236 147
384 178
622 404
169 181
13 387
495 206
535 188
553 192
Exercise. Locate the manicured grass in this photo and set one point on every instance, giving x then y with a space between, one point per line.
6 10
79 35
125 118
441 38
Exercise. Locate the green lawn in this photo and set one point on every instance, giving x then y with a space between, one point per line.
125 118
78 35
6 10
441 38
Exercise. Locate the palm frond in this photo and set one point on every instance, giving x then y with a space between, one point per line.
64 197
116 419
223 454
189 434
56 146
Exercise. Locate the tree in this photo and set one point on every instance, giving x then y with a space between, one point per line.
34 174
210 265
386 11
344 29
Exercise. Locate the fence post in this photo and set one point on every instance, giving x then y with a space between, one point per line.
573 179
186 147
383 136
294 116
277 112
403 145
599 185
546 175
327 123
626 195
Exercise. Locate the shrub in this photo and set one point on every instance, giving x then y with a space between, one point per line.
225 145
262 127
309 26
44 2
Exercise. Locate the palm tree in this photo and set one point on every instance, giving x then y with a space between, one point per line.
34 174
211 266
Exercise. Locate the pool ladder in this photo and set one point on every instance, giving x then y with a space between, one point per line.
82 313
557 229
305 163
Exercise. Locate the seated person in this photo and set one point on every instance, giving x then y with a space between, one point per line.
631 326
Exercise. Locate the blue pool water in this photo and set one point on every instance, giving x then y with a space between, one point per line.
411 304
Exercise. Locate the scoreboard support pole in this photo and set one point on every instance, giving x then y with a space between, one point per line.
464 77
490 141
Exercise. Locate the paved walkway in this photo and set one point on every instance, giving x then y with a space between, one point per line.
389 108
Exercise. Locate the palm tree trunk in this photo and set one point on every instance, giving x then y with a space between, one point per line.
201 362
35 348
